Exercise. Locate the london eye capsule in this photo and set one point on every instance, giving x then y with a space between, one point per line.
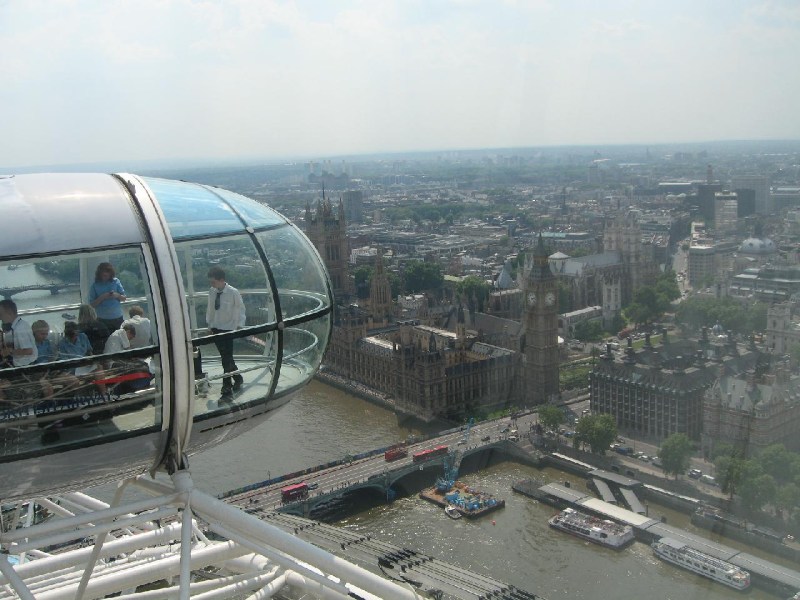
118 353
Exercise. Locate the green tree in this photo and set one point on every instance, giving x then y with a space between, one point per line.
696 312
722 449
421 276
729 469
596 430
788 497
550 417
475 291
564 296
675 453
756 489
589 331
794 353
362 276
776 460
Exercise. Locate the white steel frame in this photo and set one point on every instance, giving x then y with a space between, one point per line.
163 540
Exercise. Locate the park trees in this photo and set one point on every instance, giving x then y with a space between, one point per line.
596 430
651 301
729 469
589 331
696 312
475 291
675 453
550 417
422 276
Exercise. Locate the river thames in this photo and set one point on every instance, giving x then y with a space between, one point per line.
514 545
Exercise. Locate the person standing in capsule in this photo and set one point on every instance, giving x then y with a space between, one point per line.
225 313
106 296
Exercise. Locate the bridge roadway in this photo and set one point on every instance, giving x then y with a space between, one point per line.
54 289
330 485
434 577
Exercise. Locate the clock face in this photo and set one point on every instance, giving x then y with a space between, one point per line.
550 298
531 298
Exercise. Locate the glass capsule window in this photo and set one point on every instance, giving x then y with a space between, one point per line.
282 325
71 375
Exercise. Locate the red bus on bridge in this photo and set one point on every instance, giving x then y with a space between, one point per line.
424 455
395 453
298 491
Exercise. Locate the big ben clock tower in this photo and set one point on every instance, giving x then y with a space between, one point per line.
540 359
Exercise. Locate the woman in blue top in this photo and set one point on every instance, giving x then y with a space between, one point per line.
106 296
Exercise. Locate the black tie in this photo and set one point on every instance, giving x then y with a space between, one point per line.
217 300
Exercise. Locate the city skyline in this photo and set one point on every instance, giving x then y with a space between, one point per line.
92 82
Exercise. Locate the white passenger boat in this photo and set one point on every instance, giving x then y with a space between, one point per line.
600 531
452 512
679 553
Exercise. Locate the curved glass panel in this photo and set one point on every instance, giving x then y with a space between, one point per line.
244 270
255 214
70 375
191 210
298 272
245 361
254 359
303 348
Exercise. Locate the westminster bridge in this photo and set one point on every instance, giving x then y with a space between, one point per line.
369 475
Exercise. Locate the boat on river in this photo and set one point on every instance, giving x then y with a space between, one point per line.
683 555
452 512
600 531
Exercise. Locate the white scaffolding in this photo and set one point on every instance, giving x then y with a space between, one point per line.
178 543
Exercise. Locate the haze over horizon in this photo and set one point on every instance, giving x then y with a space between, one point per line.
93 81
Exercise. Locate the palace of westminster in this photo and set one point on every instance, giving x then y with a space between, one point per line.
440 360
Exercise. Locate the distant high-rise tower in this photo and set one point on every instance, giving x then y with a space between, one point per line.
327 230
541 330
725 211
354 206
759 184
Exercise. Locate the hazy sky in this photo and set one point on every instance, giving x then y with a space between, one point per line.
101 80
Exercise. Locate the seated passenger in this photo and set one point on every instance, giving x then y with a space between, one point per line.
18 346
17 349
55 381
75 344
142 325
95 330
120 340
126 374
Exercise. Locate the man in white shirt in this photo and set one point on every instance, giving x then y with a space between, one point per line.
120 339
19 345
142 325
224 313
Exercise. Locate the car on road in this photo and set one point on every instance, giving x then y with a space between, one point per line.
695 473
486 438
313 486
513 438
569 434
708 479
